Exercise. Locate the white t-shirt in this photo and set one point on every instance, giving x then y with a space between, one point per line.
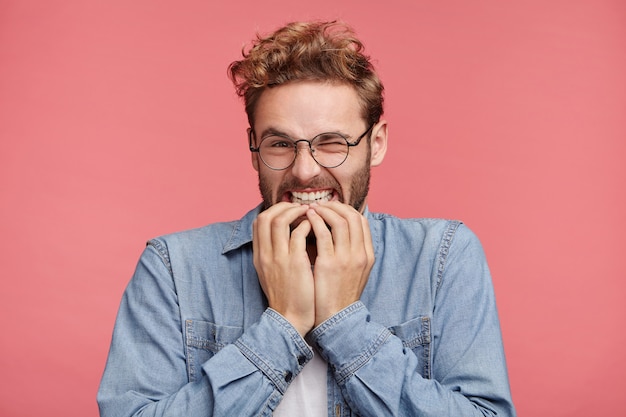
306 395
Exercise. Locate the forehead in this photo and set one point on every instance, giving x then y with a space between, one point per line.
307 107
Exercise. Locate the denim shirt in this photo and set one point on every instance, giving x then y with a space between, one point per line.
194 335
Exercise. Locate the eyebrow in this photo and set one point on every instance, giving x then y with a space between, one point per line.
273 131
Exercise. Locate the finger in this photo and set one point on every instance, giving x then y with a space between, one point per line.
323 236
367 240
255 243
297 242
273 226
345 223
280 227
355 224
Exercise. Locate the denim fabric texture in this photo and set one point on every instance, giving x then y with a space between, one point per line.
194 335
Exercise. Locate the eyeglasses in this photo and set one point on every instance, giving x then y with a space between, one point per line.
279 151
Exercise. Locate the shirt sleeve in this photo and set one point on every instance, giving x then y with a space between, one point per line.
146 371
379 376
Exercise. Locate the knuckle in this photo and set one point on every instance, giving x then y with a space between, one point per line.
261 218
341 224
362 262
277 222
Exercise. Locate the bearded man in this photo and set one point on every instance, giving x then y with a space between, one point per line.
310 305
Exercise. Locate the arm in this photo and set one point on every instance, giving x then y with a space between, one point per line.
146 372
378 376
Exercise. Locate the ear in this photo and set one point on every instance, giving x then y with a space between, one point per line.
378 144
254 156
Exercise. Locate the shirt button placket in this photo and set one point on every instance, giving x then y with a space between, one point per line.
288 376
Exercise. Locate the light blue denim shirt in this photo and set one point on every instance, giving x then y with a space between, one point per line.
194 335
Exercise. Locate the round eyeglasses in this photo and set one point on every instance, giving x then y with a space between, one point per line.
278 151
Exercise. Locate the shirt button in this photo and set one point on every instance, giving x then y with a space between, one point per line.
301 360
288 376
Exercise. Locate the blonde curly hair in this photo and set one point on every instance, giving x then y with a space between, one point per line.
311 51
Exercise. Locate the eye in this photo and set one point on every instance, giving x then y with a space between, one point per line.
277 142
330 141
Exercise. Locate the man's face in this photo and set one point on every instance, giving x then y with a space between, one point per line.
303 110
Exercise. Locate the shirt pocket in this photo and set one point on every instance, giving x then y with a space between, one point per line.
415 335
204 339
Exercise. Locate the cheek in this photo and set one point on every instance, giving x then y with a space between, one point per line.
346 174
269 182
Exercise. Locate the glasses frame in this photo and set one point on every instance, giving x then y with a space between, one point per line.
252 137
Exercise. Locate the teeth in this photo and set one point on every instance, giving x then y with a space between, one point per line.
312 197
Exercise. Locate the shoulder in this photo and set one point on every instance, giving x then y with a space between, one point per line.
215 238
416 228
441 237
220 231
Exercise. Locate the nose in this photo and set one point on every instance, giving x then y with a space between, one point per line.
304 167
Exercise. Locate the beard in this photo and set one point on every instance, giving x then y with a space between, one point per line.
358 188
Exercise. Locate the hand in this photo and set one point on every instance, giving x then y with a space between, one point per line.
283 265
345 256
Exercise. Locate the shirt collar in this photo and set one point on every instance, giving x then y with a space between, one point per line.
242 232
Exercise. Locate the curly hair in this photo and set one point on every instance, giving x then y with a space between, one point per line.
308 51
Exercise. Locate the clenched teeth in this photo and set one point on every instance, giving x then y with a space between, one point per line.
312 197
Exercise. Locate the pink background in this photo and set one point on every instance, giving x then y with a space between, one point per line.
117 124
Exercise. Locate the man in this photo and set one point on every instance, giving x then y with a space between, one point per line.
310 305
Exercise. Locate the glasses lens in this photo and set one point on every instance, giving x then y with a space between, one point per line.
277 152
330 149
